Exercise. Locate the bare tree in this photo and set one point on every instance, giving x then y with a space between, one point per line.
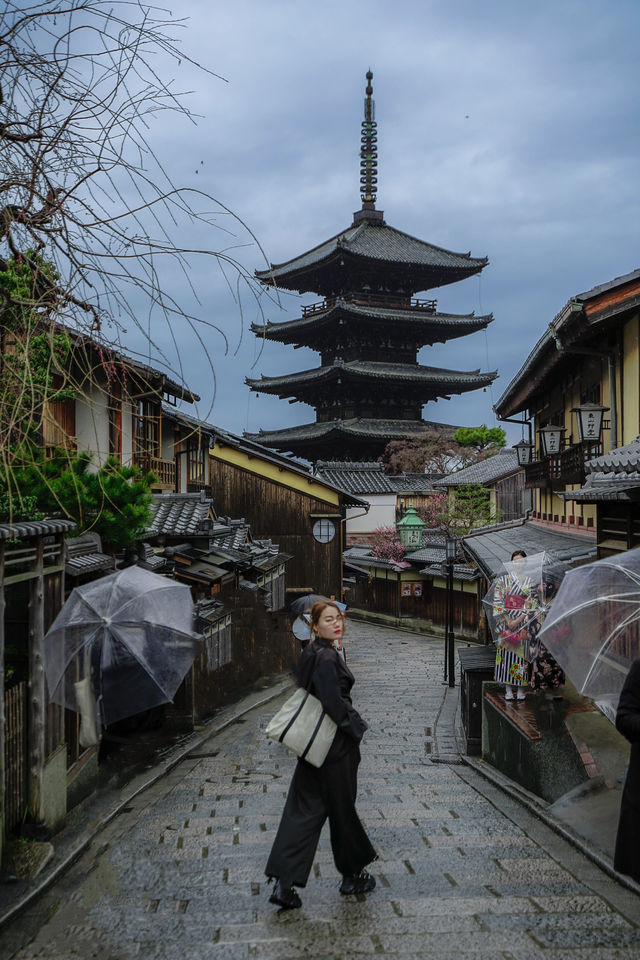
87 211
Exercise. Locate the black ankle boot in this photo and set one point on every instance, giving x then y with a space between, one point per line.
362 883
285 897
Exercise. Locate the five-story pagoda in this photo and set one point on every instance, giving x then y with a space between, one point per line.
369 388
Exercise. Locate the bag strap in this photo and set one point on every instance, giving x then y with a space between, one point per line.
294 717
313 736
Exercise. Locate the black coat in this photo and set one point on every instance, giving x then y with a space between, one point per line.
327 791
627 855
324 672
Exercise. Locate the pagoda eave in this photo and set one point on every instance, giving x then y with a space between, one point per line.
362 437
421 326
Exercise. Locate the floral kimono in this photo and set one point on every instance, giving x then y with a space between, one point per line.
515 601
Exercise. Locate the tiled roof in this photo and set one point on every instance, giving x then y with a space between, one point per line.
493 547
84 555
433 327
355 427
369 477
34 528
613 476
485 471
382 243
180 514
623 460
449 381
359 478
414 482
460 571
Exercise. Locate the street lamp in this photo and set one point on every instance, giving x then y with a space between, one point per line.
524 452
410 528
450 553
551 438
589 417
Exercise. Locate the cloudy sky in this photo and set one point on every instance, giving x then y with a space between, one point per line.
508 129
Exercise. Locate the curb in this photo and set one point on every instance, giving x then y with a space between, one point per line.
100 823
536 807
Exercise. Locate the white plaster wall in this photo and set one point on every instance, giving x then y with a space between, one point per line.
92 424
382 513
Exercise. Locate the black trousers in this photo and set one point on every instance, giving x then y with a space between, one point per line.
315 794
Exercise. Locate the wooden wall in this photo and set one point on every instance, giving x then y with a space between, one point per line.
262 644
277 512
509 497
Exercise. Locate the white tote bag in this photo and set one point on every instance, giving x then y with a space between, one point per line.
304 727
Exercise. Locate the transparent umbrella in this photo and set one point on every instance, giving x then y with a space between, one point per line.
515 603
128 637
593 628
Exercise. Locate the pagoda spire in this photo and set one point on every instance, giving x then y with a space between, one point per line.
369 161
369 150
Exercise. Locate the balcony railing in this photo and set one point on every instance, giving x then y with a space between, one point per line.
567 466
390 301
163 470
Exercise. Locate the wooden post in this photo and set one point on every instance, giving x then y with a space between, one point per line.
2 724
37 706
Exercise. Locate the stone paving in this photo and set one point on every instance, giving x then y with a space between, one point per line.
464 871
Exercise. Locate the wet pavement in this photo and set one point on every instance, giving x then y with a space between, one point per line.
464 868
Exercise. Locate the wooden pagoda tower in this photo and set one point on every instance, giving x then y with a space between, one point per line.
368 327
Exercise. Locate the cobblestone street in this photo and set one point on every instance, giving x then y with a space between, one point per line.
463 869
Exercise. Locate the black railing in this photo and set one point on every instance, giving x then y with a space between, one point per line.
567 466
390 301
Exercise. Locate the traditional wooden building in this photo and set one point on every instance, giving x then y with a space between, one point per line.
579 392
368 328
502 478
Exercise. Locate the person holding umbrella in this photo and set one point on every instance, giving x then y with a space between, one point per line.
328 791
512 595
627 853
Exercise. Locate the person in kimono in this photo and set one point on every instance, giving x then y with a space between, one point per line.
513 599
329 791
627 853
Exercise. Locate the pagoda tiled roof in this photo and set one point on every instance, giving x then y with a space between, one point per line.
448 381
378 243
356 428
432 326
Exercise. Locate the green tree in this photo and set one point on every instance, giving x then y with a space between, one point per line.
114 501
485 441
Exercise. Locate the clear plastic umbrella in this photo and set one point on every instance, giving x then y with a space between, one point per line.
127 638
515 603
593 628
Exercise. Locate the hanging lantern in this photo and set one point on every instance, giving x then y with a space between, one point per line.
524 452
551 438
589 417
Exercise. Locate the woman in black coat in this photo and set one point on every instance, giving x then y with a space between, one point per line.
627 855
327 791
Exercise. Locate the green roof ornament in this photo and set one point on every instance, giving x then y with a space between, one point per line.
410 528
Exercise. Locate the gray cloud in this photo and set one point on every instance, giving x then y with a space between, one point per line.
507 129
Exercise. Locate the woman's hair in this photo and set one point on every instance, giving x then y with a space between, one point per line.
518 553
318 608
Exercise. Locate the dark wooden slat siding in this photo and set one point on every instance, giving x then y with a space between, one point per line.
284 515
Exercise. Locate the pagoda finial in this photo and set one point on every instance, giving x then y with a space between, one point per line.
369 151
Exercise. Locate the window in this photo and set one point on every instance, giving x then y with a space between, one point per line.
195 461
324 531
146 430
